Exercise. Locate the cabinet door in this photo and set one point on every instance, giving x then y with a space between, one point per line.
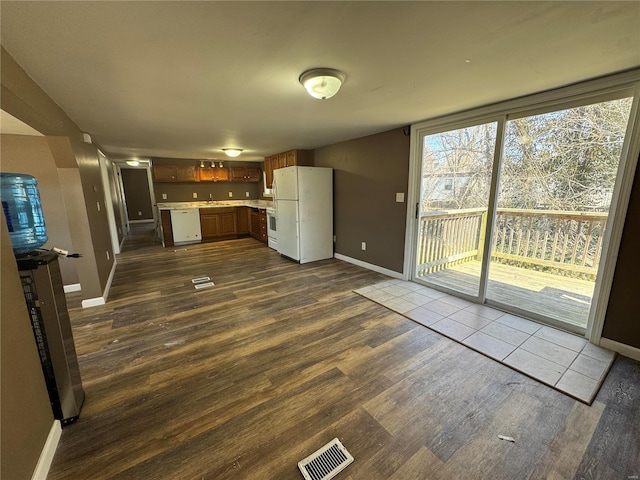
205 174
254 175
255 223
186 173
237 174
291 158
268 170
220 174
227 224
210 226
282 160
242 220
164 173
213 174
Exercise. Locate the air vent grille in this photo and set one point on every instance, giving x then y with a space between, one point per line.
327 462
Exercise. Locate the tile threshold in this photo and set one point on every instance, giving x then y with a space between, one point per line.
527 347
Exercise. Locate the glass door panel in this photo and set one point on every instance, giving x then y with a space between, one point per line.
455 183
555 187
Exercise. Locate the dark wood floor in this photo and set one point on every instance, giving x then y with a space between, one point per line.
245 379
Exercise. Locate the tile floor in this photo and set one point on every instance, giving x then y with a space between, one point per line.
561 360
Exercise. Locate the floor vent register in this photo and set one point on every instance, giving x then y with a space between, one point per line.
325 463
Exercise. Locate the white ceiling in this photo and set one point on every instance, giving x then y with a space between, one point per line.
185 79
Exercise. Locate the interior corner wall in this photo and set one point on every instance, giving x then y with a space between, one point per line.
25 411
88 223
368 172
31 155
622 320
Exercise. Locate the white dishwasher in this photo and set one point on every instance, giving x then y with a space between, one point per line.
185 224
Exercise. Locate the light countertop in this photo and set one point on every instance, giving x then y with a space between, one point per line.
216 204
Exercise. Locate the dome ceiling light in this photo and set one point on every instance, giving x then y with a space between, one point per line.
322 83
232 152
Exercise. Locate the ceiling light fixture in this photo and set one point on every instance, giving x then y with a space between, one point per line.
133 163
322 83
232 152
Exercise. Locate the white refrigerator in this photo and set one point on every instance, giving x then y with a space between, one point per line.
303 200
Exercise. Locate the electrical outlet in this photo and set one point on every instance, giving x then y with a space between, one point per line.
164 196
334 238
400 197
230 194
364 245
108 256
195 195
246 194
139 213
98 205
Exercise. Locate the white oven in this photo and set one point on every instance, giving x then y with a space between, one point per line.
271 228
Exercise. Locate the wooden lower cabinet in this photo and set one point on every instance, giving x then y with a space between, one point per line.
218 223
243 219
259 224
222 223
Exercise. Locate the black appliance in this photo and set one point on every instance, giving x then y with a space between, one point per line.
47 305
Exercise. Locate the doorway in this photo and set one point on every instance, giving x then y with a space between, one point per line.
513 210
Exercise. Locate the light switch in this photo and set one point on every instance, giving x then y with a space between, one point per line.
400 197
164 196
230 194
195 195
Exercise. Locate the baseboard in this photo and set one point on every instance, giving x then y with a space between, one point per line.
369 266
107 287
94 302
74 287
621 348
48 451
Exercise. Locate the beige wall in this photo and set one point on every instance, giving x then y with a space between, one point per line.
368 172
31 155
78 171
25 412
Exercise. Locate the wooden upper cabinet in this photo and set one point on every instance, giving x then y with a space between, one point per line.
175 173
186 173
213 174
164 173
268 170
245 174
284 159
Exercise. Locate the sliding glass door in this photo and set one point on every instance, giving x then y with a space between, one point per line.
534 191
456 180
557 176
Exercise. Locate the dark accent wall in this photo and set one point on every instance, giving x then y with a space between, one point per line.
368 172
622 321
183 192
25 412
136 193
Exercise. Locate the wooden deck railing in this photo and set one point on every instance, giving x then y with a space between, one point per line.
560 242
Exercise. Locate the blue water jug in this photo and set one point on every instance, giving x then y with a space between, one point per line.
23 211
